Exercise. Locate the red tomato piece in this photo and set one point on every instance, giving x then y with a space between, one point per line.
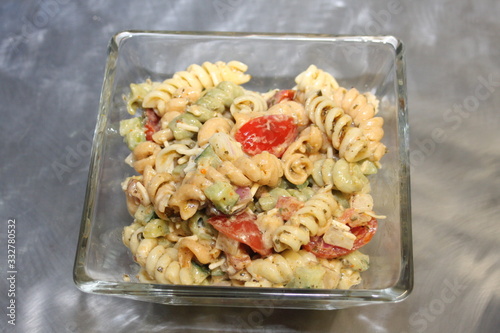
271 133
282 95
363 234
152 124
149 130
242 228
287 206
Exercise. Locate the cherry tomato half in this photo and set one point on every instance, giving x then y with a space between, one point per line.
272 133
242 228
282 95
363 234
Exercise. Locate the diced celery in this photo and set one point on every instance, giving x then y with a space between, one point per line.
267 202
217 272
134 138
341 199
144 213
132 132
156 228
279 192
356 260
283 183
200 228
298 194
199 273
128 125
307 277
222 195
308 192
179 170
209 154
303 185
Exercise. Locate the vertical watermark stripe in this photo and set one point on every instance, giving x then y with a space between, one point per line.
11 271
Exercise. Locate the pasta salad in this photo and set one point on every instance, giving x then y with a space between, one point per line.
242 188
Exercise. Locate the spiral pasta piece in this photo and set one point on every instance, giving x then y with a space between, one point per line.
135 193
160 263
348 140
322 173
363 108
373 128
144 154
290 236
310 141
310 220
128 232
212 126
180 100
345 176
315 79
215 101
316 212
160 187
191 247
271 168
348 177
300 269
293 109
297 168
354 104
249 102
171 156
207 75
274 268
189 195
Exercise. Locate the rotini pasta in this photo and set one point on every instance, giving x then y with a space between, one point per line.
297 168
145 155
346 177
212 126
315 79
348 140
248 102
354 104
310 220
300 269
363 108
197 77
255 189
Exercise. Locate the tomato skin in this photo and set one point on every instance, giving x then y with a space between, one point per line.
149 130
271 133
152 124
282 95
287 206
242 228
363 234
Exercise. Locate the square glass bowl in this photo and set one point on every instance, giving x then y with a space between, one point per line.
372 64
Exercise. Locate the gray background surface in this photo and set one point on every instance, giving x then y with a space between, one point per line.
52 56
